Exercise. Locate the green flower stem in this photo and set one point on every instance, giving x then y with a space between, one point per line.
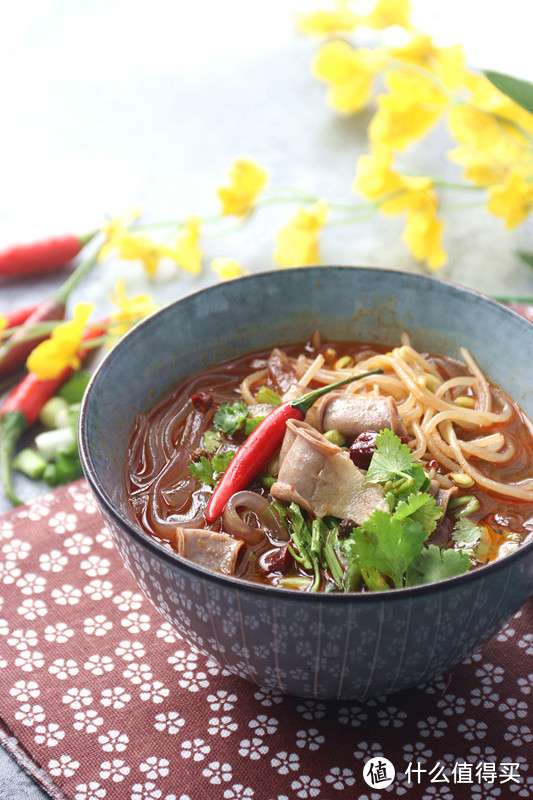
528 301
75 277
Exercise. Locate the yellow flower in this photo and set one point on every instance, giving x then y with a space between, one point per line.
186 252
479 169
495 138
297 241
446 63
513 200
376 180
349 73
116 227
327 20
247 179
227 268
398 121
139 246
3 323
387 13
423 235
129 309
51 357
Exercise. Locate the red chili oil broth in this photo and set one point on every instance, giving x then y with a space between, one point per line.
501 515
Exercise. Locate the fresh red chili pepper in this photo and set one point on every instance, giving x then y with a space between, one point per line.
42 256
22 406
15 350
263 442
18 316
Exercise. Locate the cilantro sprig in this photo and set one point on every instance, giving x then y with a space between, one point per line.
209 470
392 546
230 417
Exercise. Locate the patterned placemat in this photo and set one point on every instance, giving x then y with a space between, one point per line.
102 700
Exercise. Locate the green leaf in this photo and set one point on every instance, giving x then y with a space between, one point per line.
391 458
209 471
74 388
518 90
434 565
388 544
426 513
220 462
466 533
526 257
230 417
211 441
393 462
202 471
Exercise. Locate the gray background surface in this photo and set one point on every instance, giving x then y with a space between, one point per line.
107 104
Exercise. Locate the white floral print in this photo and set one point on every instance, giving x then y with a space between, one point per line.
65 766
53 561
196 749
77 698
63 668
61 522
170 721
113 741
117 697
32 608
58 632
99 664
99 589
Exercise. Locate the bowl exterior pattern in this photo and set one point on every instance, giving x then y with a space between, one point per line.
327 650
351 647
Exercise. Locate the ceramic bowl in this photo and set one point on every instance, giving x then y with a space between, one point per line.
322 646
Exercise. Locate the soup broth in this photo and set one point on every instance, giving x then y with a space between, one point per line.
417 473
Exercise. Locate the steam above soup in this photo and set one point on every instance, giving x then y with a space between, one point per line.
417 472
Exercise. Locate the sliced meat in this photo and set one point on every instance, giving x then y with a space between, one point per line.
216 551
320 477
352 414
442 496
280 371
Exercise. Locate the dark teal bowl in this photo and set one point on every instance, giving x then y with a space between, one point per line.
324 646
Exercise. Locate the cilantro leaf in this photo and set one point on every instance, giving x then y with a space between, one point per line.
202 470
211 441
434 564
392 460
421 507
220 461
388 544
466 533
230 416
209 471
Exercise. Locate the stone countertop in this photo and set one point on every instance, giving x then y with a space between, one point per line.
108 104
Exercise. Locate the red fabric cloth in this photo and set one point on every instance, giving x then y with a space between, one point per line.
102 700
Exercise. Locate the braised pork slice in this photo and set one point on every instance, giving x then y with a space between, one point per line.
352 414
210 549
320 477
442 496
280 370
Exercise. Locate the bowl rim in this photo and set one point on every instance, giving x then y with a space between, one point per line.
163 551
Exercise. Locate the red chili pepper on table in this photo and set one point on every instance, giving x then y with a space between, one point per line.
18 316
263 442
42 256
22 407
15 350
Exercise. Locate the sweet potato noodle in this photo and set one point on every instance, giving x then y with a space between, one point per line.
400 478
